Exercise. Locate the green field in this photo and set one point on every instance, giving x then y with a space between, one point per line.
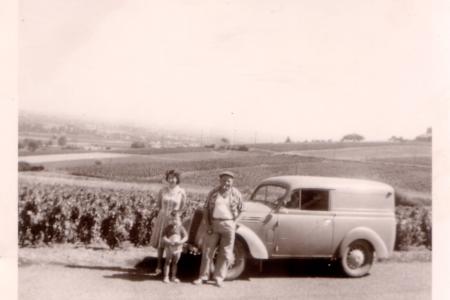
406 166
285 147
408 152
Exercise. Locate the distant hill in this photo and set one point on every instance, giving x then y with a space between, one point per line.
82 133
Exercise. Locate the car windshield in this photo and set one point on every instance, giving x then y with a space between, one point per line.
269 194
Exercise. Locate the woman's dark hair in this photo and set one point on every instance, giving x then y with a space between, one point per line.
173 173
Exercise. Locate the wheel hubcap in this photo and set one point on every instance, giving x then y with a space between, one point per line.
355 258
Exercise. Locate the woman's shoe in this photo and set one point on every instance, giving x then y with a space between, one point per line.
175 280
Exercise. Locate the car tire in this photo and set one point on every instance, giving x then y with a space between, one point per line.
239 264
357 259
240 260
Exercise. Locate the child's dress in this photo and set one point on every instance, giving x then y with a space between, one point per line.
174 233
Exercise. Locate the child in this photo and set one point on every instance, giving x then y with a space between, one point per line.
174 236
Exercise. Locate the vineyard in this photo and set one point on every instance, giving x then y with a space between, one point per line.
251 168
122 208
138 169
63 213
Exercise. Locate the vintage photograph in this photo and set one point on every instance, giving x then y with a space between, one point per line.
225 149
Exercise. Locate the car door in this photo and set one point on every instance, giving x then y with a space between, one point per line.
305 225
265 221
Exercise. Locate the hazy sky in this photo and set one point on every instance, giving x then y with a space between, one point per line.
307 69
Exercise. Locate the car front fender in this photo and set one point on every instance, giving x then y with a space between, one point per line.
256 247
364 233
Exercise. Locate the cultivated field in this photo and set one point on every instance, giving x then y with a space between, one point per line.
285 147
407 166
70 157
409 153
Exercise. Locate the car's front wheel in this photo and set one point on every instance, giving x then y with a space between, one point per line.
237 266
357 259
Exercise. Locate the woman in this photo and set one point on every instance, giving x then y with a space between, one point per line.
170 198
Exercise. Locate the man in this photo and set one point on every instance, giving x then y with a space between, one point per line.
223 206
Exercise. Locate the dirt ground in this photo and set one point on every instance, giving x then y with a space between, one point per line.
386 281
67 272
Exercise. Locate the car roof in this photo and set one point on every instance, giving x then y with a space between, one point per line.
320 182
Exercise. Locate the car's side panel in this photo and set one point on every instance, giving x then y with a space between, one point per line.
262 221
371 230
382 201
255 246
304 233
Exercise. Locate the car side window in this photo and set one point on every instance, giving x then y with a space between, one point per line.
312 199
294 200
269 194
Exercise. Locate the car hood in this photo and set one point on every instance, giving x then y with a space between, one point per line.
256 207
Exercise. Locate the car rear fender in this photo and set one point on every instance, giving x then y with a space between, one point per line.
364 233
255 246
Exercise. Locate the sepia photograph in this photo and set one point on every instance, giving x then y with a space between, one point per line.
234 149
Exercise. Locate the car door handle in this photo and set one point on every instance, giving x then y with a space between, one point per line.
327 221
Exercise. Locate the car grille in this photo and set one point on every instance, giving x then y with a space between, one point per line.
251 219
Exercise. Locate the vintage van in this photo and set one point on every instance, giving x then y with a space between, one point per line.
351 221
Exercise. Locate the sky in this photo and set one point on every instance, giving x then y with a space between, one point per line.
252 69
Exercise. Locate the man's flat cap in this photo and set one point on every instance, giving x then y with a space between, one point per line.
226 173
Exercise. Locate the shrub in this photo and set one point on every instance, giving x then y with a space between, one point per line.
33 145
413 227
62 141
137 144
25 166
86 226
242 148
71 147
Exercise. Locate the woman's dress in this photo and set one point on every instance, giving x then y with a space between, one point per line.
168 200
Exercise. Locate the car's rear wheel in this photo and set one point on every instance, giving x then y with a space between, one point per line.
357 259
237 266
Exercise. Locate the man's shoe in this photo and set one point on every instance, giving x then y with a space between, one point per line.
166 280
199 281
219 283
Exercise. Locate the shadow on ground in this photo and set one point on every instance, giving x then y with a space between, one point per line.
189 265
